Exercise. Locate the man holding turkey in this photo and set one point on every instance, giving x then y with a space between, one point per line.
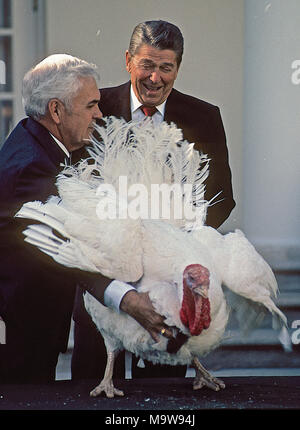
60 97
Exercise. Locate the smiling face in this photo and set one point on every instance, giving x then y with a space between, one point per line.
77 124
153 72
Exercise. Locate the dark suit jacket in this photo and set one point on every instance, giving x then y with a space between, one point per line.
36 296
36 293
202 125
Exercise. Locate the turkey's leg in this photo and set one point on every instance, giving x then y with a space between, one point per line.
106 384
204 378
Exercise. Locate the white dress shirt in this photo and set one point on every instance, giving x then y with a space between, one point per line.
58 142
138 115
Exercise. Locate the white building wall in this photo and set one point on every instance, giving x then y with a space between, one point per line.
271 143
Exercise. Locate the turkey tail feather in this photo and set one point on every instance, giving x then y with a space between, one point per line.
148 155
38 212
51 236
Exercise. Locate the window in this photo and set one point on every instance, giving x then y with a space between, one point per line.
6 85
22 37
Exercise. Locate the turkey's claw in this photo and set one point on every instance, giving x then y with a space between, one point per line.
106 385
108 388
204 378
210 382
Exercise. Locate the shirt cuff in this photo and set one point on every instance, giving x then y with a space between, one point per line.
114 294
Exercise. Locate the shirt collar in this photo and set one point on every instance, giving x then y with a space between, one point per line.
136 104
62 147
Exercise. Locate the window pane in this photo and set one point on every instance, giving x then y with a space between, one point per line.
6 119
5 13
5 57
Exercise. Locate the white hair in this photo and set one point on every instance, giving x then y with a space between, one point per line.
57 76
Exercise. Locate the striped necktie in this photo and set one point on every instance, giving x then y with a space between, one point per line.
149 110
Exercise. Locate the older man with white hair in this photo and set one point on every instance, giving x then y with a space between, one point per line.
60 97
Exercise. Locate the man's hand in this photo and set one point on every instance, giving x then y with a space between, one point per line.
139 307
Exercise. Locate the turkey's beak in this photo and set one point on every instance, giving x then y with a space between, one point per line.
202 290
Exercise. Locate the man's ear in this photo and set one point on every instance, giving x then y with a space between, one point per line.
128 61
55 109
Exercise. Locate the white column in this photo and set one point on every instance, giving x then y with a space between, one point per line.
271 152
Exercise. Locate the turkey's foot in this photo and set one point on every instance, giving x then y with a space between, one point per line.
204 378
107 387
210 382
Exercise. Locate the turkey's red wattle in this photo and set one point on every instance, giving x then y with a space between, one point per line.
194 312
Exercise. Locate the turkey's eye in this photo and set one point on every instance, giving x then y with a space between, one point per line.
190 281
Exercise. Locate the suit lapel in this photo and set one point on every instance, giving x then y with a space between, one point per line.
43 138
123 102
116 101
172 112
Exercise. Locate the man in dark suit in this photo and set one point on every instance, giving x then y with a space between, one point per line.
201 124
61 98
153 60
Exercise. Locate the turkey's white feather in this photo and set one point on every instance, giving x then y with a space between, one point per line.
150 155
152 252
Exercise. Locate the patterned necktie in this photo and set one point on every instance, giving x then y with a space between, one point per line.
149 111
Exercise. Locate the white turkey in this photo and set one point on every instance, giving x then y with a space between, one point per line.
183 265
